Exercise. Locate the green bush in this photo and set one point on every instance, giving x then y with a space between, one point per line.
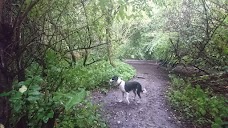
95 75
61 93
198 104
28 101
84 115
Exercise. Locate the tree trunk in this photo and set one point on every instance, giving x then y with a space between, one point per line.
5 85
5 76
108 38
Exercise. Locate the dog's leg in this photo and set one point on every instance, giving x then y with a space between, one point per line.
122 97
127 98
138 92
134 93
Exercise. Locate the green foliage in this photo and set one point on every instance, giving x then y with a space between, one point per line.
134 48
181 32
159 47
197 104
39 104
83 115
62 92
25 100
68 100
36 104
99 73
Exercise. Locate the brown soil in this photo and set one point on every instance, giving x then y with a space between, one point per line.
152 111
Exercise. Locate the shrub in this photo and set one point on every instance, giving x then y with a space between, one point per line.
197 104
61 94
95 75
84 115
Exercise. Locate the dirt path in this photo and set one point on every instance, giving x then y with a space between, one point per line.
151 112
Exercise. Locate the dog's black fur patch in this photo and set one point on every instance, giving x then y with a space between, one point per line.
133 86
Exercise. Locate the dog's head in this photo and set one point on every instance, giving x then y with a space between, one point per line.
115 80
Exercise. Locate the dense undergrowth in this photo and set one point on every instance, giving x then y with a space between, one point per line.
59 94
200 106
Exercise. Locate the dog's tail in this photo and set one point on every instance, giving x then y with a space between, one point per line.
144 90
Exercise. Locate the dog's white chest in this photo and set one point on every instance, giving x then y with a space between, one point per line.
121 86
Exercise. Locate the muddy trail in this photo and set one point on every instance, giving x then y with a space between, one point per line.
152 111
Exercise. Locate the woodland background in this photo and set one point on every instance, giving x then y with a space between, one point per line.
60 50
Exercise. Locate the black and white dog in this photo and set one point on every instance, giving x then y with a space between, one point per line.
126 87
